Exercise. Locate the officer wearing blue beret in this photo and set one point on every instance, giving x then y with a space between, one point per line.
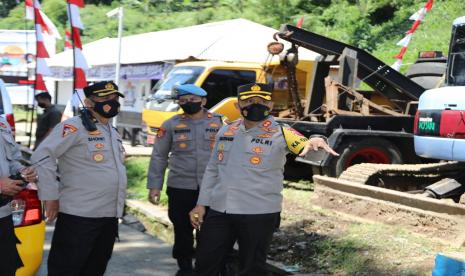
189 137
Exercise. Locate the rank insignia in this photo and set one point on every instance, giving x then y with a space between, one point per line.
255 160
98 157
213 125
99 146
2 125
161 132
183 146
68 129
257 150
181 125
209 115
228 133
95 133
220 156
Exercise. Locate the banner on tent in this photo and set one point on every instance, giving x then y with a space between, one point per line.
107 72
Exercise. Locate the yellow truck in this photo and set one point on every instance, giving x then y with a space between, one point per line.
220 80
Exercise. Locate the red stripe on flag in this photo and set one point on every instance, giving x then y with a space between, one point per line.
28 3
400 55
79 3
41 50
77 38
40 84
429 5
415 26
40 20
300 22
79 78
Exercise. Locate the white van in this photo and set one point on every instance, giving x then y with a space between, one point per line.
6 108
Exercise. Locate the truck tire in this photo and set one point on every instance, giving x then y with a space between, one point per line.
428 82
368 150
426 69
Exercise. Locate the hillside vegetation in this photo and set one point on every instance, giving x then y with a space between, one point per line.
374 25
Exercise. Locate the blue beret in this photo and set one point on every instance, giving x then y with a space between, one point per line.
186 89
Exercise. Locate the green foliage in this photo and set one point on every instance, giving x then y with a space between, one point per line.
136 169
374 25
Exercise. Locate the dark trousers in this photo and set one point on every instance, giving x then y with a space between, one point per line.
180 203
81 246
9 257
220 231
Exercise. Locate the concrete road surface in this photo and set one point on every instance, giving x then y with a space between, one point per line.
136 254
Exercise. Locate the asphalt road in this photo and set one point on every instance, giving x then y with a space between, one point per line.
135 254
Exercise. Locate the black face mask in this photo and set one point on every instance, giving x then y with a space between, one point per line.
107 109
42 105
255 112
191 107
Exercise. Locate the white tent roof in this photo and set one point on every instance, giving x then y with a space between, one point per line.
230 40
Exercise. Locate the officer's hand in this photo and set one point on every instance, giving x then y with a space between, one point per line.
196 216
315 144
154 196
29 174
51 210
9 186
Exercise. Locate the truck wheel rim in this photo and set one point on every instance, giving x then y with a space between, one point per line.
368 155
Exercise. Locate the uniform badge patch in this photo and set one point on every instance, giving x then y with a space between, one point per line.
266 123
161 132
220 156
221 147
182 137
255 160
98 157
257 150
269 129
266 135
181 125
99 146
182 145
68 129
95 133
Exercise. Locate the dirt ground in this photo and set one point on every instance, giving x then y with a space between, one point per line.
323 241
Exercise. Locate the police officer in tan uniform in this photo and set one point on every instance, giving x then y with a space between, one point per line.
10 157
189 137
242 185
89 196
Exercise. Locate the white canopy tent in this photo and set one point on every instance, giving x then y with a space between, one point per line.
231 40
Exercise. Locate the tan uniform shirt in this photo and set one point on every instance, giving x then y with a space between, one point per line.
10 157
91 169
190 143
245 171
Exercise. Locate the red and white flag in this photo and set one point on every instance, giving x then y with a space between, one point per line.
404 42
68 45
